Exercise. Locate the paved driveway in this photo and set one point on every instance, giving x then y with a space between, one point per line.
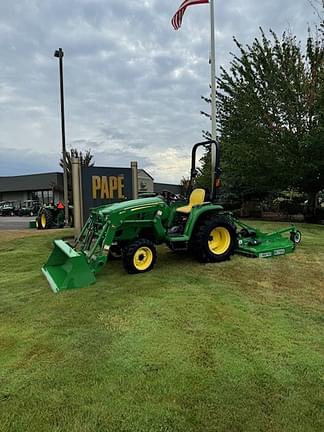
14 222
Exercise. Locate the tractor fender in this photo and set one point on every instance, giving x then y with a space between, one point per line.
198 213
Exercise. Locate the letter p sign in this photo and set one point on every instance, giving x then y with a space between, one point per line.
96 186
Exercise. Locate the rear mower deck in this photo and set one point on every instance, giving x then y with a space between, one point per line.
255 243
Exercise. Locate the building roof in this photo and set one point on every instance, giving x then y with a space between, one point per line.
141 170
31 182
160 187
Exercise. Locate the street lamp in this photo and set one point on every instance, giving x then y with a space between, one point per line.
59 54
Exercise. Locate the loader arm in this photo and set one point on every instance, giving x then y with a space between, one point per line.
76 266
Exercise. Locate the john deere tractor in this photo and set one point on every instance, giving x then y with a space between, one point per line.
132 229
52 216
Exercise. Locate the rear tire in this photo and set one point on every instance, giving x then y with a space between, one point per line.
139 256
46 219
214 240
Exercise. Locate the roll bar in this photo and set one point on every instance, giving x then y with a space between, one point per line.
216 170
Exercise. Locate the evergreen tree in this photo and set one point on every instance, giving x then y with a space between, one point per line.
270 112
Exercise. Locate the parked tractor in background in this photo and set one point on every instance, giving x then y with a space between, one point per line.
52 216
29 208
133 228
8 208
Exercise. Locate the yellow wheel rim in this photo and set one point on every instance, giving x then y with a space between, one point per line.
143 258
43 220
219 240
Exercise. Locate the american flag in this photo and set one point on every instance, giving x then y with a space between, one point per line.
177 17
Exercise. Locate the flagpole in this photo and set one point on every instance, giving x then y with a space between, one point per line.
213 90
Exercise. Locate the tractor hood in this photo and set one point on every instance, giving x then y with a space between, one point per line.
127 205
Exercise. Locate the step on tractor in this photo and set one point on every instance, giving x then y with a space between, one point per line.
132 229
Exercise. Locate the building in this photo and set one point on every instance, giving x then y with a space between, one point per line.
145 181
45 187
146 184
48 187
160 187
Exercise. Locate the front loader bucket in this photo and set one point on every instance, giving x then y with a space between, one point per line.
67 269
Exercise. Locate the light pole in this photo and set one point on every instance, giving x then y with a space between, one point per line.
213 90
59 54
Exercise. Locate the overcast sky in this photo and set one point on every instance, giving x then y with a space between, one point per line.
132 83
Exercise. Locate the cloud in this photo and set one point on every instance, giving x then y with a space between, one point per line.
132 84
16 162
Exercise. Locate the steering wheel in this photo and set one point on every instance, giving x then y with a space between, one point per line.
169 196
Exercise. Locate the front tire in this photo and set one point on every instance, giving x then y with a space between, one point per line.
214 240
139 256
37 223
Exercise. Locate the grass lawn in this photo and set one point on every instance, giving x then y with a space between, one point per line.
236 346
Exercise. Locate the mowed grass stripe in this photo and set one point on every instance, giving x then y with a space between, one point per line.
187 347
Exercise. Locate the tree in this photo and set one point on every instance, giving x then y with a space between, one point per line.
204 172
270 108
86 159
184 186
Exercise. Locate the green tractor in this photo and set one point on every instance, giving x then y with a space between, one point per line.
52 216
132 229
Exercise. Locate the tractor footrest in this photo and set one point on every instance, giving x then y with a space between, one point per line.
179 245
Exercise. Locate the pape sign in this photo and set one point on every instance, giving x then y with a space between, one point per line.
108 187
104 185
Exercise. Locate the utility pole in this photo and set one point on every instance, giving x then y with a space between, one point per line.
59 54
